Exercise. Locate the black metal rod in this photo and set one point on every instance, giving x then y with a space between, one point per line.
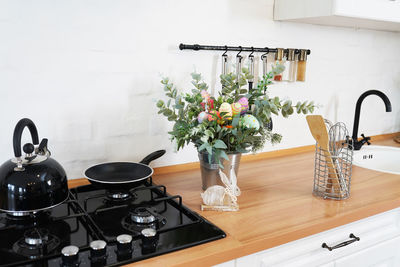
232 48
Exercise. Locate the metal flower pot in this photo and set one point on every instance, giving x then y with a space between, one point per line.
210 170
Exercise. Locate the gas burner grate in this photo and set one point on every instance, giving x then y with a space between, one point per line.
141 218
36 243
91 214
27 240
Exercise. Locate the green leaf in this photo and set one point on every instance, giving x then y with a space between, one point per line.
220 144
235 120
196 76
209 133
209 148
203 146
160 103
242 150
277 102
287 105
224 155
220 164
203 86
178 106
181 143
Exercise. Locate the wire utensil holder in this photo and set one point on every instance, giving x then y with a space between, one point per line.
327 174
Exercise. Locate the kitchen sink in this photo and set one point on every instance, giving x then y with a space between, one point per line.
378 158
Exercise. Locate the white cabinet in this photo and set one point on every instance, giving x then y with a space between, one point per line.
383 254
371 14
231 263
379 245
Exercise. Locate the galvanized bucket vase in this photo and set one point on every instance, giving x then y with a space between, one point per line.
209 171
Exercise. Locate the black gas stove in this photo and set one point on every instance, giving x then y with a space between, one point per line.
95 227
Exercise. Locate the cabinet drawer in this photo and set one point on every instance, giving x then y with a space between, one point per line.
383 254
309 252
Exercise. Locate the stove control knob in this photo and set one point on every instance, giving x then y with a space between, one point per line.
149 240
149 232
98 250
70 255
124 243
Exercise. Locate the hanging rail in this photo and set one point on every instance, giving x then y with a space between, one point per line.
233 48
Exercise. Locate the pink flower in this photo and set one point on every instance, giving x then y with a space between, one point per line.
205 94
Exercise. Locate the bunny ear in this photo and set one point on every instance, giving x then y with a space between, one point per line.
224 178
234 186
233 177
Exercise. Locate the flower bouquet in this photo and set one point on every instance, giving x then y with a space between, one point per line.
222 127
237 120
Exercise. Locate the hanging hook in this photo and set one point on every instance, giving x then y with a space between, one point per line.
252 52
265 54
238 54
239 62
225 61
226 50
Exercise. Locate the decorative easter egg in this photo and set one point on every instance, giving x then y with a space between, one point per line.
236 108
202 116
249 121
226 107
245 104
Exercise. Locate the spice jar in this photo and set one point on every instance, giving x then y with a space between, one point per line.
279 59
291 65
301 65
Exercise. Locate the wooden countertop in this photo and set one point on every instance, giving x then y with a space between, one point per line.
276 206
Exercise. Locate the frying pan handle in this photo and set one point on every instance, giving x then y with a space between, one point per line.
153 156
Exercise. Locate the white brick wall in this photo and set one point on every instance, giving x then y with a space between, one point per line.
87 72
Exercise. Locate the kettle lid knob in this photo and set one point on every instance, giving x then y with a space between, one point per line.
28 148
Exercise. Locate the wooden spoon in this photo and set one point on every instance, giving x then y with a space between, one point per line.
318 130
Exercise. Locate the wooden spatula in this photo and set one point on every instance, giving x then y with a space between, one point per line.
318 130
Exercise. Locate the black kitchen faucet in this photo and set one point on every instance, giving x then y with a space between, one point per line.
358 144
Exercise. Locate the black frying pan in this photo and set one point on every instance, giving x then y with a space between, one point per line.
122 176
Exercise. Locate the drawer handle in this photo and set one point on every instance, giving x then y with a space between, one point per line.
345 243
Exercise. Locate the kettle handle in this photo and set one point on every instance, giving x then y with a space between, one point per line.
19 128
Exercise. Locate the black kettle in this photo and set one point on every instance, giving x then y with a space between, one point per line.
32 182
